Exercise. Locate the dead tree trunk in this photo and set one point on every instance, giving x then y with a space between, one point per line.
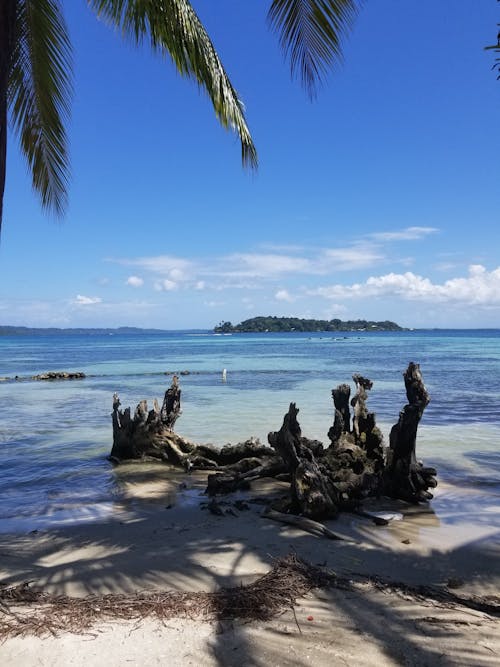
149 435
171 408
342 420
356 464
355 457
405 477
312 493
323 481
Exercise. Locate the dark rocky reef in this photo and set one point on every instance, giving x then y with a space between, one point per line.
59 375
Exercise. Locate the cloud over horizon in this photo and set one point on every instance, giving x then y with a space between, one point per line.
480 288
81 300
407 234
135 281
361 271
231 270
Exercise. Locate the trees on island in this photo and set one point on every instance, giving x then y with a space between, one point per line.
284 324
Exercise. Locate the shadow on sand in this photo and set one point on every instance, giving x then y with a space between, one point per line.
160 538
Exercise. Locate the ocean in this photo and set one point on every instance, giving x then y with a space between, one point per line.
55 436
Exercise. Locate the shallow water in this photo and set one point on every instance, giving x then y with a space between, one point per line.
55 436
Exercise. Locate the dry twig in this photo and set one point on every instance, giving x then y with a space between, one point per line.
31 612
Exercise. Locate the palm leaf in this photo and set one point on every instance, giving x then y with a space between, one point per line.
311 33
7 40
173 28
39 96
496 49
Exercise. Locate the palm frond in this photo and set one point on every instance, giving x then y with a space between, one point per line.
39 96
311 34
173 28
496 49
7 40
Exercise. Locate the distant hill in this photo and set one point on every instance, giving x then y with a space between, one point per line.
51 331
282 324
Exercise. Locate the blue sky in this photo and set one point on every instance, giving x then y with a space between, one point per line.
379 200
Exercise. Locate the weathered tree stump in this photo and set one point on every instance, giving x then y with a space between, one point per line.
404 476
312 493
355 457
149 435
356 464
323 481
171 408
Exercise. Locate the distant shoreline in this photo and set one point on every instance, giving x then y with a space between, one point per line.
75 331
7 330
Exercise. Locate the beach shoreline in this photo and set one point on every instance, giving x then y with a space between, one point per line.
161 537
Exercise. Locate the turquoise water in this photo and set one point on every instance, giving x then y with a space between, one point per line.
55 436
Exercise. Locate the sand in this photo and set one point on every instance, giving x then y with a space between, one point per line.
159 536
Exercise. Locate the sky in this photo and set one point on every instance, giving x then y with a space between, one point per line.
378 200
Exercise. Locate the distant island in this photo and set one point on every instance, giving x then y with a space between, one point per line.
52 331
282 324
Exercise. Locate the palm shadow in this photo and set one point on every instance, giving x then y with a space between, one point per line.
162 537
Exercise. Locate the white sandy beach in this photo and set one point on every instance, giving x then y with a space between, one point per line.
159 538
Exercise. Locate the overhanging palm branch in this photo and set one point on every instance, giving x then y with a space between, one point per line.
173 27
311 33
39 95
496 49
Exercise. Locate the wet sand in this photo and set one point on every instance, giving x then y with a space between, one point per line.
160 536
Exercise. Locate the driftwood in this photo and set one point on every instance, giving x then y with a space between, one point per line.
233 480
312 492
323 480
356 464
149 435
404 476
307 525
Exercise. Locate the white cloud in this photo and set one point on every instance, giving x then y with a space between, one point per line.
284 295
253 270
246 270
165 285
235 284
263 265
168 269
360 256
135 281
321 262
276 247
480 288
408 234
176 274
86 300
166 265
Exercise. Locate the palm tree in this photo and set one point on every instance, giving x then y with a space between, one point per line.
36 78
